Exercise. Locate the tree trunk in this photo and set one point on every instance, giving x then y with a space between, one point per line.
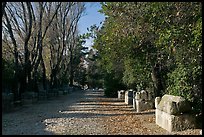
156 78
22 88
71 75
3 8
44 74
17 69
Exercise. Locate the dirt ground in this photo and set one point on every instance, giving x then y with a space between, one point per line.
84 112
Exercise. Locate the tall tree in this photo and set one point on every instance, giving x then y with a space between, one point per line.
42 34
63 41
76 13
14 12
20 19
154 45
3 5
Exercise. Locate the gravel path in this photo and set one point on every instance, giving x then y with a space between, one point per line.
83 113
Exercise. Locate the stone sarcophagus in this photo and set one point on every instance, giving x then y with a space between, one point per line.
172 113
129 97
142 101
121 94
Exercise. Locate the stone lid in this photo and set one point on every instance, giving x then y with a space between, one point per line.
173 104
121 91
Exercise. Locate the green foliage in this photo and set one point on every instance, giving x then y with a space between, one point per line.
135 74
178 82
94 74
112 85
137 36
7 73
184 82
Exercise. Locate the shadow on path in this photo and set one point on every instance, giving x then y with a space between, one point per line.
47 117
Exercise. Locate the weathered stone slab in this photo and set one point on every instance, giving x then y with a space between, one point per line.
142 105
137 95
157 100
150 94
129 97
121 94
173 104
134 101
142 102
174 122
172 113
143 95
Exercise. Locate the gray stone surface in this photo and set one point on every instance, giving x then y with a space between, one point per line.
134 100
173 105
129 97
143 94
137 95
150 93
142 105
174 122
157 100
142 101
172 113
121 94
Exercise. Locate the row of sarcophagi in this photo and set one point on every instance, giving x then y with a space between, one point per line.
172 113
141 100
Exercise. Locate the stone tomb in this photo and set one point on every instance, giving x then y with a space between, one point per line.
142 101
172 113
121 94
129 97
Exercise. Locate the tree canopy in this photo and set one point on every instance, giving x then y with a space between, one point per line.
156 46
152 45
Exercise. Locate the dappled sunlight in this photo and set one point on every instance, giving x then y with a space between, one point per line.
72 68
70 119
71 125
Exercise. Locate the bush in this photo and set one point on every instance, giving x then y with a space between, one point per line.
112 85
183 81
7 74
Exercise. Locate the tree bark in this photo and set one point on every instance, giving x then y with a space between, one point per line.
44 74
156 78
71 75
3 8
17 69
26 51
